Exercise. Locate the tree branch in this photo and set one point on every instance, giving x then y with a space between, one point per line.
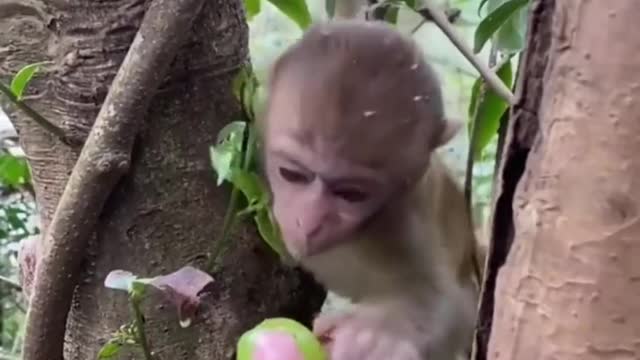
430 12
10 283
105 158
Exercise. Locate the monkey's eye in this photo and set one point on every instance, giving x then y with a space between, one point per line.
351 195
294 176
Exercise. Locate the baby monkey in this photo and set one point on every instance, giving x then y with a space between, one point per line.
353 117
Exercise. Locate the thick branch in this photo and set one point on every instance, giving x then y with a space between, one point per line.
104 159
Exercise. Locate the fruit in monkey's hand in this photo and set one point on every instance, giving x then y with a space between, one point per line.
280 339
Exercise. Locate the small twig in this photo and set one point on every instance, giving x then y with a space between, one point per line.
140 331
452 14
221 245
230 217
105 158
39 119
468 179
490 77
417 27
12 284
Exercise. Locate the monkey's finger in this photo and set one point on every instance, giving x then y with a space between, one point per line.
324 324
381 348
398 350
350 345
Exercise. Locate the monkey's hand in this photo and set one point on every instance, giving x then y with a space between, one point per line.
363 335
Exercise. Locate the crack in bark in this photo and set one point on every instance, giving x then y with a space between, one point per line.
521 132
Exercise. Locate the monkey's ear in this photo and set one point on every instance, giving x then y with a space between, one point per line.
451 128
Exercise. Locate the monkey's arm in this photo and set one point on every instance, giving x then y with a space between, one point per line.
436 326
455 317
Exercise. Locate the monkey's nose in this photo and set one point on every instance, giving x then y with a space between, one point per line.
308 229
312 233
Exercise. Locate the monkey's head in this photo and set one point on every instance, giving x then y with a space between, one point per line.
352 117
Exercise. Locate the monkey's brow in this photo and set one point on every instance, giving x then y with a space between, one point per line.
286 157
332 179
349 181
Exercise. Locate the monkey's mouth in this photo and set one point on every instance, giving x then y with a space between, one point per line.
326 339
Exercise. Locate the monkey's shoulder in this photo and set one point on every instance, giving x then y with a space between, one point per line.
441 203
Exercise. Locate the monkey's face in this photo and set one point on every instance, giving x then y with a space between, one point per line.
319 200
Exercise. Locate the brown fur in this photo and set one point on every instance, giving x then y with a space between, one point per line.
378 63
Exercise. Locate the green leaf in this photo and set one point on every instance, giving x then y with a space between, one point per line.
481 5
270 232
14 171
22 78
330 8
252 7
256 193
110 350
139 288
393 8
245 86
391 15
227 154
240 80
233 134
493 21
296 10
410 3
259 100
489 109
473 102
250 185
221 160
511 36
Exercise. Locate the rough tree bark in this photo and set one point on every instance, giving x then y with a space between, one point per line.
569 287
166 212
521 129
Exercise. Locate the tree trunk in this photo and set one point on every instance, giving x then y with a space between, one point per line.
167 212
568 288
521 130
